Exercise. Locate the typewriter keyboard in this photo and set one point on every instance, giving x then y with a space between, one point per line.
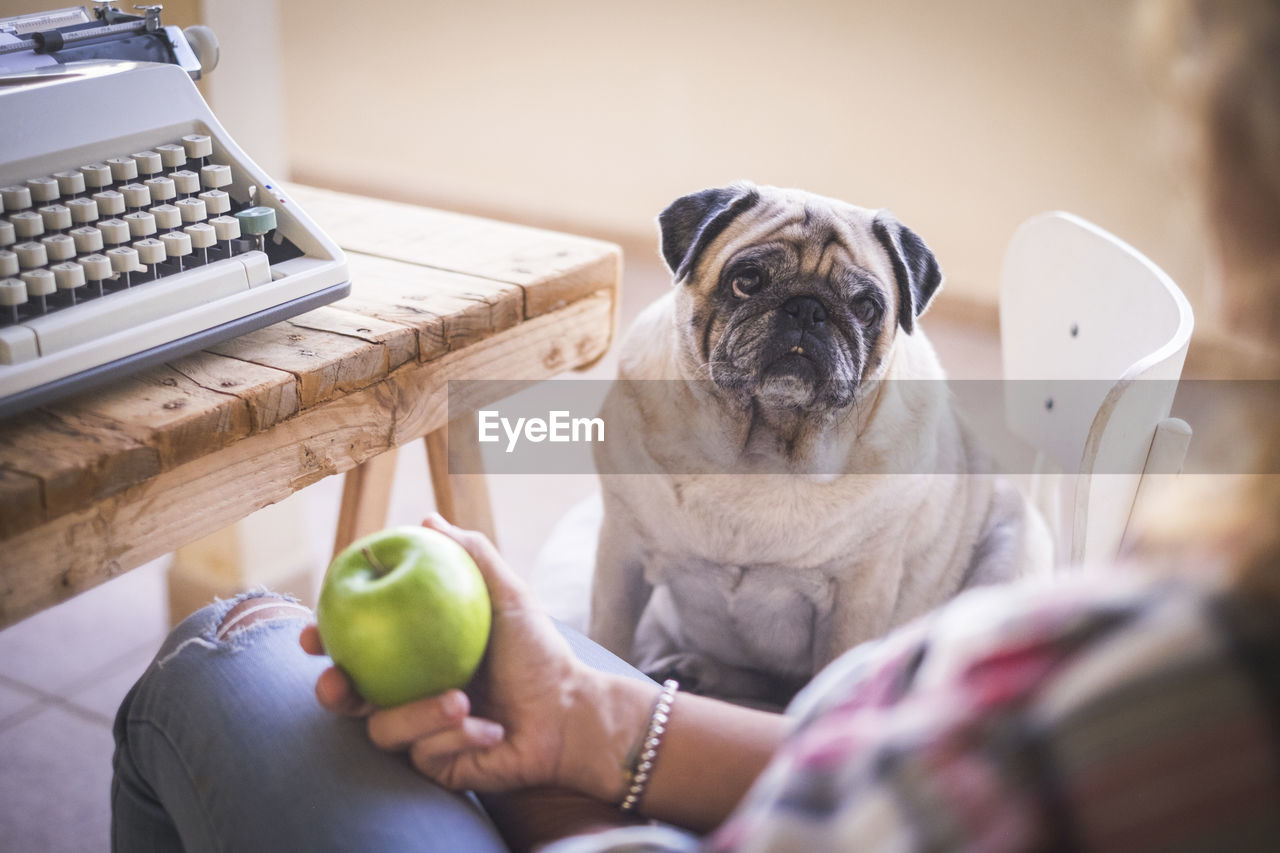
125 240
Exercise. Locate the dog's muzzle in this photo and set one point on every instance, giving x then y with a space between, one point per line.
801 343
805 359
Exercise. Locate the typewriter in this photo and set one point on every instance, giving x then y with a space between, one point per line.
133 229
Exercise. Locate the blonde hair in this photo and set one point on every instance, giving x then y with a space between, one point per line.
1219 61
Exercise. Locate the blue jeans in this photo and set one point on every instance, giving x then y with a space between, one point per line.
221 745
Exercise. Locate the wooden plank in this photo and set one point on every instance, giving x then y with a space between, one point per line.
184 504
76 551
75 456
400 340
553 292
536 351
270 394
91 446
553 268
164 409
444 310
324 364
23 503
448 310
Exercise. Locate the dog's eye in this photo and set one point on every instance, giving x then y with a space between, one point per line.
866 310
746 282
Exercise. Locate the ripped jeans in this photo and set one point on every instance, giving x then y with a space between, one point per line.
222 746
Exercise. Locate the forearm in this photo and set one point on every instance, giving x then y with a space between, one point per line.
711 752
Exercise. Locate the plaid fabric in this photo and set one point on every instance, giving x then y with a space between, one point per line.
1068 716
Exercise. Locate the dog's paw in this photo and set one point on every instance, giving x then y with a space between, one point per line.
694 671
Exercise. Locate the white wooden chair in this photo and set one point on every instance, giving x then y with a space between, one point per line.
1086 324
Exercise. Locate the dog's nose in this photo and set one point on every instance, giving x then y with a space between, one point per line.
807 311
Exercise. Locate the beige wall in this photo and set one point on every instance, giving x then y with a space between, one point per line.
962 117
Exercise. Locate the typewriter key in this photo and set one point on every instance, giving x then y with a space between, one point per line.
123 169
69 277
124 261
31 255
28 224
57 217
13 292
176 245
110 202
43 190
97 176
83 210
59 247
114 231
40 285
148 163
186 182
88 239
16 198
168 216
198 147
142 223
172 156
70 184
215 175
162 189
202 237
136 196
216 202
97 269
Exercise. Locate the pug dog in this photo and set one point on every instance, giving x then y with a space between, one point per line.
791 487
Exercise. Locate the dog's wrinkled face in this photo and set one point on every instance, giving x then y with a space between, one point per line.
789 299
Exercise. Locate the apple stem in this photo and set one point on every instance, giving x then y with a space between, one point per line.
373 561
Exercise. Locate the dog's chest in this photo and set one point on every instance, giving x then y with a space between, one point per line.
753 565
760 617
737 521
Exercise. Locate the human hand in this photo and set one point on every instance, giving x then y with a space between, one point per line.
521 721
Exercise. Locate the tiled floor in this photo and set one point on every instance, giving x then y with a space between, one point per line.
63 672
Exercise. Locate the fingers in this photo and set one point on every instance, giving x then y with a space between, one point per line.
310 640
335 694
505 586
435 731
394 729
435 754
333 689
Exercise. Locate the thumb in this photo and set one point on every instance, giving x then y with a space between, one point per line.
506 588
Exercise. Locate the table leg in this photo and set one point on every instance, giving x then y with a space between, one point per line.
366 494
461 498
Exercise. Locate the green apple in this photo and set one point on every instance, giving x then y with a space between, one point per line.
405 613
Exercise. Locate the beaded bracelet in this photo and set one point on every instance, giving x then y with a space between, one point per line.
642 766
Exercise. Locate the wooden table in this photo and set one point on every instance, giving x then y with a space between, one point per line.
100 483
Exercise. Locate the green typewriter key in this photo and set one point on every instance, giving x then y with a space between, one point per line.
256 222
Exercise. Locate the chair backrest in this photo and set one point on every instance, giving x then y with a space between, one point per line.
1083 318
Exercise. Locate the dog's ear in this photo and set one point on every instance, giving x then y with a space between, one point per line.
914 267
691 222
